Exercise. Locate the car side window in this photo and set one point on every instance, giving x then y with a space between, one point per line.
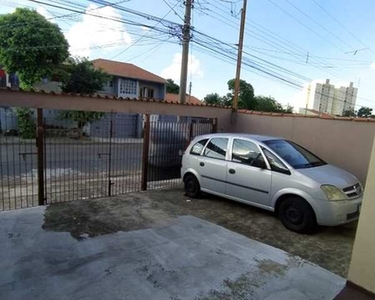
198 147
216 148
276 164
248 153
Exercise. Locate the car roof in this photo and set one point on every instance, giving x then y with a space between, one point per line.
259 138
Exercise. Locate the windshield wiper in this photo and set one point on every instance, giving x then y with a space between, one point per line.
313 164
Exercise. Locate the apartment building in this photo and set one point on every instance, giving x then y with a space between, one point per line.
327 98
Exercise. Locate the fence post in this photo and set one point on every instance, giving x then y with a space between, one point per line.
40 156
191 131
110 155
146 146
214 125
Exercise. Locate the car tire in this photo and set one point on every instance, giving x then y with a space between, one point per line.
192 186
297 215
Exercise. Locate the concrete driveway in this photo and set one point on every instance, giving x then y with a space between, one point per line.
150 246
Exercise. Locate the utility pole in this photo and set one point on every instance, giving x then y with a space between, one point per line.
185 50
190 86
239 57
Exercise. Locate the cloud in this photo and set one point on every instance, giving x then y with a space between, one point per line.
93 31
373 65
174 69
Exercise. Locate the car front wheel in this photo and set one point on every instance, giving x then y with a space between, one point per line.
192 187
297 215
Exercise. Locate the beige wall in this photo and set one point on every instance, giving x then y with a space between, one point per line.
346 144
68 102
362 266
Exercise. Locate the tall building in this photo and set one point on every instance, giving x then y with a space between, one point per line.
326 98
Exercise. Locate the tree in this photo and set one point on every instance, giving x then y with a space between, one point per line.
31 46
288 109
364 112
268 104
172 87
213 98
349 113
82 77
81 118
246 95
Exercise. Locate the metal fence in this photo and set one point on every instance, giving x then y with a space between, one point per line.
121 153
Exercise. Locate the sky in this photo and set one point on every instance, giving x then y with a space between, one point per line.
310 39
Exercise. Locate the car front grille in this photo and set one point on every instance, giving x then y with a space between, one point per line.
353 190
352 216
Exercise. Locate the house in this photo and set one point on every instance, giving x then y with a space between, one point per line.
314 112
131 81
174 98
134 82
8 80
128 81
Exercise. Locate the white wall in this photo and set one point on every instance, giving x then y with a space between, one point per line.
362 266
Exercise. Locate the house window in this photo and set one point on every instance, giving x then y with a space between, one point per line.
128 86
151 93
146 92
110 83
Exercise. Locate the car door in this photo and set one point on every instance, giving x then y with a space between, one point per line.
248 178
212 165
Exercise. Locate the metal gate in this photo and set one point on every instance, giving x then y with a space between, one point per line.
168 141
18 159
117 154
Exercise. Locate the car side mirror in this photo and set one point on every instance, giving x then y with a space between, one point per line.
259 164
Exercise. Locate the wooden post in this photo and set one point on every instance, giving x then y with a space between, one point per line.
40 156
239 58
146 147
185 50
214 125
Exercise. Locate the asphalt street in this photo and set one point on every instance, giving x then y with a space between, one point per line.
21 159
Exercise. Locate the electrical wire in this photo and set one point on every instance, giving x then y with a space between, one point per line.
143 36
342 26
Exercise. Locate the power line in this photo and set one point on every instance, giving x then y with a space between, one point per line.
173 9
153 48
272 74
143 36
281 42
342 26
306 26
317 23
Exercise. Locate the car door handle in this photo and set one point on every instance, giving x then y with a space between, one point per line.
201 164
232 171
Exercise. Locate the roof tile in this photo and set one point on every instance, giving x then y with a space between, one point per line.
123 69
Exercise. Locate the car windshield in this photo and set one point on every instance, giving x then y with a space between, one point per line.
295 155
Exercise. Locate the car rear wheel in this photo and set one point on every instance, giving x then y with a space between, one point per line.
192 187
297 215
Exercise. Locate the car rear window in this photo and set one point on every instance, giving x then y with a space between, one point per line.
198 147
217 148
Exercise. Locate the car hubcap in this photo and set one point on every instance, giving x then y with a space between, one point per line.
293 214
190 186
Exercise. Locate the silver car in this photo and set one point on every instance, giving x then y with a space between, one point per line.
275 174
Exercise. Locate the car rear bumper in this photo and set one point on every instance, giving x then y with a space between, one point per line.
333 213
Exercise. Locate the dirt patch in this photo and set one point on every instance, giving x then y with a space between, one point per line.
90 218
243 286
329 248
269 266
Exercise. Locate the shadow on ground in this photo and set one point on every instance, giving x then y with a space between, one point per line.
329 248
